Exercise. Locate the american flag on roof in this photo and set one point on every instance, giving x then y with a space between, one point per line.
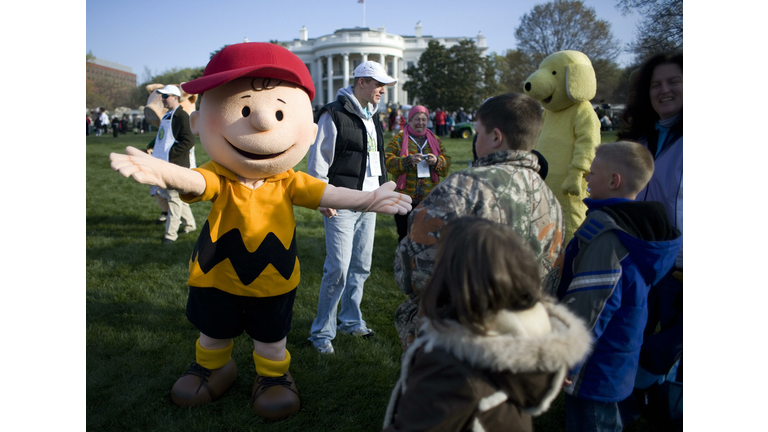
361 1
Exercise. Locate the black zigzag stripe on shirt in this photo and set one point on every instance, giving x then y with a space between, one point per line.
247 265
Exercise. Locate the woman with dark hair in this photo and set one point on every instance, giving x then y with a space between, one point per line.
654 118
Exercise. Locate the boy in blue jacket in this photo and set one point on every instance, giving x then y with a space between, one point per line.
621 250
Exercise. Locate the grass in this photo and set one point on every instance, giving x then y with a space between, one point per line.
139 341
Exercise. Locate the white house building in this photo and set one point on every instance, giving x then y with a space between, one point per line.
332 59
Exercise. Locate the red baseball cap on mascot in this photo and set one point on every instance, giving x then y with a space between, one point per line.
252 59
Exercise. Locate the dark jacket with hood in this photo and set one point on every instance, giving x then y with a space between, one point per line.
616 255
455 380
351 154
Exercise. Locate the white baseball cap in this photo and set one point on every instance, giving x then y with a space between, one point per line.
374 70
170 89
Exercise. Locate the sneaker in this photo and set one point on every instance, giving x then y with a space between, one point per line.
167 241
186 229
163 217
362 332
325 349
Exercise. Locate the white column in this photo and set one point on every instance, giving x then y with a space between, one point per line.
396 73
319 81
345 83
330 78
383 62
365 57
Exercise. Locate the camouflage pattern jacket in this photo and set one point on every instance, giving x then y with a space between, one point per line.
504 187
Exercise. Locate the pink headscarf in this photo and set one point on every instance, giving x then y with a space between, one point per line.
434 146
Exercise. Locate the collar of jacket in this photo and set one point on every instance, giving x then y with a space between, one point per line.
517 157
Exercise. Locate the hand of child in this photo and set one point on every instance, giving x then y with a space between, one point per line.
387 201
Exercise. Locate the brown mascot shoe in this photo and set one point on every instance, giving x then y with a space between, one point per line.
275 398
199 385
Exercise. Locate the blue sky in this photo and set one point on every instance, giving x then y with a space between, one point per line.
178 34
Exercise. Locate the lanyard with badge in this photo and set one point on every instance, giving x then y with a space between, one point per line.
422 169
373 154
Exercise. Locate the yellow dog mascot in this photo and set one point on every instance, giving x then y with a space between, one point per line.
564 84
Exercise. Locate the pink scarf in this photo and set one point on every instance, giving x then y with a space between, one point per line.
434 146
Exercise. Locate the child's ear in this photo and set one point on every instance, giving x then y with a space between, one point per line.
615 180
193 122
498 137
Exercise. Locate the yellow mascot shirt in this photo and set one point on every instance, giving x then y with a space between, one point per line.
247 246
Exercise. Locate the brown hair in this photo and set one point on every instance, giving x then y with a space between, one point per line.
518 117
633 161
366 80
481 268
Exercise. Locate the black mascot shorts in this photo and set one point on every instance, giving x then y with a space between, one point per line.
222 315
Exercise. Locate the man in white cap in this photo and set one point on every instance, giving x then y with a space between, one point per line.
172 144
348 152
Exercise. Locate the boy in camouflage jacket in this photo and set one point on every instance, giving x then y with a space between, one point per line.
503 186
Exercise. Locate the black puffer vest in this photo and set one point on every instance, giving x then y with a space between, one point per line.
350 155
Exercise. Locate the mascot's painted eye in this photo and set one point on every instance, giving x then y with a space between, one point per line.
554 72
246 111
279 115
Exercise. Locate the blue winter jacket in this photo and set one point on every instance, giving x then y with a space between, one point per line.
621 249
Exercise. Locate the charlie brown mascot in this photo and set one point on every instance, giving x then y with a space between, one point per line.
255 122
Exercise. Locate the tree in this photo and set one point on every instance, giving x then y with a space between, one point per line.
565 25
607 74
450 78
514 67
661 29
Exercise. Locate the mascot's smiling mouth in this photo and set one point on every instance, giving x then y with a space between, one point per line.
548 100
255 156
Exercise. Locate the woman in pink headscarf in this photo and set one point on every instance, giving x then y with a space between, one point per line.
416 158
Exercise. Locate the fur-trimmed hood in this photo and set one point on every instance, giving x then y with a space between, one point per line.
566 345
545 339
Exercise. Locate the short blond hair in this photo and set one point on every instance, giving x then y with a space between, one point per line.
633 161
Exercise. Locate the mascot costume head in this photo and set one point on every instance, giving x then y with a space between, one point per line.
564 84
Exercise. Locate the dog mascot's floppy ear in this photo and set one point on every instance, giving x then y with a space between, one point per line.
581 83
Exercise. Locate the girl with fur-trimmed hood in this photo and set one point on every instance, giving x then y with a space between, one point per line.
493 350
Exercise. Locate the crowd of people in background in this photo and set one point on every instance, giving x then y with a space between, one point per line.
99 122
439 122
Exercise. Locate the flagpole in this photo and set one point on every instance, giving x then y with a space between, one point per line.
363 13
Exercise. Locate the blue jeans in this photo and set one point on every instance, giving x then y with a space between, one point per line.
591 416
348 247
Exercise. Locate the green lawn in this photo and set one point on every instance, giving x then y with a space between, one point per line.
139 340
